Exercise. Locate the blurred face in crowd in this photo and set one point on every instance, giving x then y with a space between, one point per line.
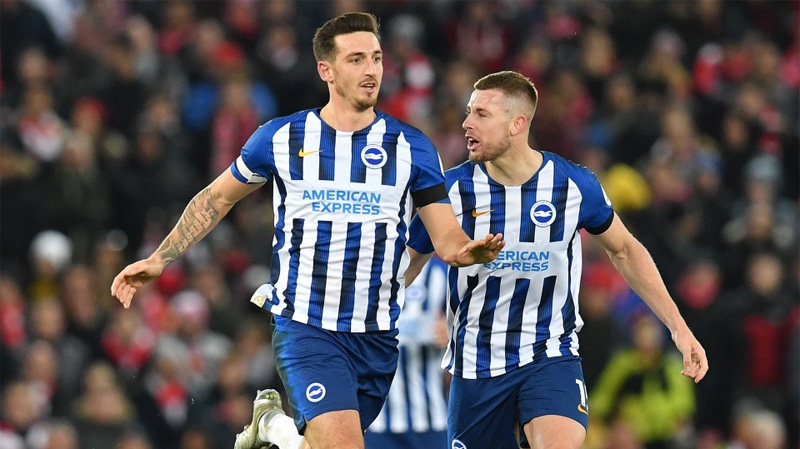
356 71
487 126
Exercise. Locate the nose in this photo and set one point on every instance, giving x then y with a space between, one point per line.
467 124
372 66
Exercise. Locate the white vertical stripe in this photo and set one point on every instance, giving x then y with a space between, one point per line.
343 146
311 142
375 137
379 425
512 218
544 192
280 152
302 298
416 389
500 326
483 202
386 280
397 404
363 270
473 320
333 286
436 400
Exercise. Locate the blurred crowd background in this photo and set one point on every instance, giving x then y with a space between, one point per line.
114 113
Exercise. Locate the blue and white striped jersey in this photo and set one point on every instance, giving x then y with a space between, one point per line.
416 401
342 205
524 305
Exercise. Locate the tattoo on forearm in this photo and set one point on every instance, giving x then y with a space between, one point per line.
197 220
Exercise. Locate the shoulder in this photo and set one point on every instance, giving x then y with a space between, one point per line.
399 126
574 171
458 173
273 126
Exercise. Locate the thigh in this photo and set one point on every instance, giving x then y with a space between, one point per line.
336 429
315 370
481 413
374 358
553 405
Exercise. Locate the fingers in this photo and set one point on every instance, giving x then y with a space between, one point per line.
122 287
695 364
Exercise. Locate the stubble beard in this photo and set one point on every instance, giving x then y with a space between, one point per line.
359 104
490 153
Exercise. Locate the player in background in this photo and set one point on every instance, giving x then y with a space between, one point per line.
514 321
344 177
415 412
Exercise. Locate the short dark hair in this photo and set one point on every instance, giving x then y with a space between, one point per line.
351 22
513 84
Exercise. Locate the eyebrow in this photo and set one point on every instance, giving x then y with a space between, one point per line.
362 53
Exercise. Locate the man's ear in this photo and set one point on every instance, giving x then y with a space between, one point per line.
325 70
518 124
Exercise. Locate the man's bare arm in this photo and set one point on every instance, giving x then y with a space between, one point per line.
201 215
636 265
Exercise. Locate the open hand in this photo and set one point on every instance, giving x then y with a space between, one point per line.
128 281
478 251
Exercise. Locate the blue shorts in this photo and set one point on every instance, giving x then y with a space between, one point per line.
325 371
433 439
483 412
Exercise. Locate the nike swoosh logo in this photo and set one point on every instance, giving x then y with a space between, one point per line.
303 153
582 410
475 213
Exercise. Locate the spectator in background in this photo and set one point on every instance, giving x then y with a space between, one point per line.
79 196
102 412
601 333
48 323
86 307
23 406
763 318
51 255
642 387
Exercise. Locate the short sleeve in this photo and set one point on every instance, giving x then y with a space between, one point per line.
427 178
254 164
418 238
596 213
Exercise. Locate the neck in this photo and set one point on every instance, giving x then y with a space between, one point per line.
342 116
516 166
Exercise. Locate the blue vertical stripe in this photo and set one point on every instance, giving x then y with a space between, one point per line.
347 297
373 293
389 170
568 311
358 171
461 331
498 207
486 320
280 241
527 230
327 153
399 249
319 272
294 259
466 188
296 137
514 330
544 315
560 186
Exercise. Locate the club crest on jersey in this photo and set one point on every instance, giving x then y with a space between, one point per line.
315 392
374 156
458 445
543 213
